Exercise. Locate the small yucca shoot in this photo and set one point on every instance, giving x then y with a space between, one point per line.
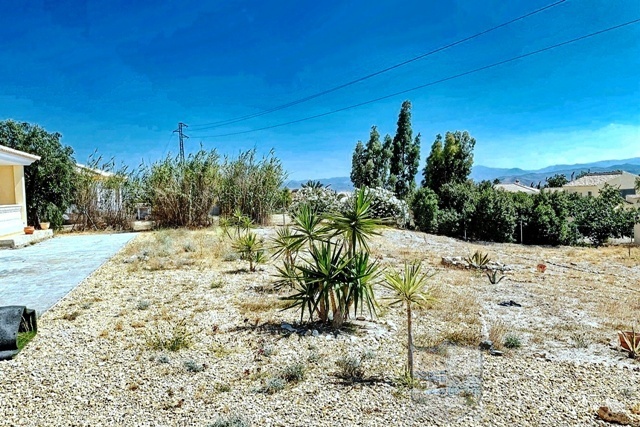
492 275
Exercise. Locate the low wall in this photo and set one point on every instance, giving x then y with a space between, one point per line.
10 219
636 234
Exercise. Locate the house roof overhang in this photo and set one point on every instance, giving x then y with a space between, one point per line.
11 157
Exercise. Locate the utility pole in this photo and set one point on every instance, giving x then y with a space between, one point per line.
182 136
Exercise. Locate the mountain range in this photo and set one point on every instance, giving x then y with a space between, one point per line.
480 173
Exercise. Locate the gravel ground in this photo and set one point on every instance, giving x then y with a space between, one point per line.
92 362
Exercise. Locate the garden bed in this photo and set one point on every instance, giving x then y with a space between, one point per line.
175 331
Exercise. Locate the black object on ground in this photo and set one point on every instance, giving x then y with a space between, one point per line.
509 304
14 319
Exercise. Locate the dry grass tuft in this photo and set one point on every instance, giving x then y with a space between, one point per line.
497 332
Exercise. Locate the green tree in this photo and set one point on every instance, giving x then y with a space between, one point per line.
494 218
457 206
358 162
556 181
405 155
424 205
450 162
603 217
49 181
551 221
378 156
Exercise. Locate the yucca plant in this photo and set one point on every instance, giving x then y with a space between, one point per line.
631 343
356 223
331 282
478 259
250 248
410 289
492 275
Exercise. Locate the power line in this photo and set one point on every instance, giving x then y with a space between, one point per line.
466 73
368 76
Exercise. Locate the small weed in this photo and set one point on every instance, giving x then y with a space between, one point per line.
293 373
230 256
497 332
219 350
273 385
189 247
216 284
313 357
351 368
232 421
405 380
163 358
86 306
71 316
512 342
24 338
119 326
469 398
193 366
142 305
222 387
580 340
178 338
463 336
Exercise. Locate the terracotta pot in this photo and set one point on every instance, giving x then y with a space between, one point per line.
44 225
629 335
29 229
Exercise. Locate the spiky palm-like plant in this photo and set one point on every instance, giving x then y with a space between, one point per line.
355 224
250 248
409 288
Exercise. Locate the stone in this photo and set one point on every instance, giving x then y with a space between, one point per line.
486 345
287 327
618 416
495 353
315 333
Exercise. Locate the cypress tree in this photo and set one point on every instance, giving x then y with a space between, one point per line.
405 155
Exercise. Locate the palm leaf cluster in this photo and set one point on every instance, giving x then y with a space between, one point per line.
326 261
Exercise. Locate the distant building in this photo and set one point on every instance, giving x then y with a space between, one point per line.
13 195
591 183
516 187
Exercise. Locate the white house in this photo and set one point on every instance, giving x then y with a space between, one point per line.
13 200
516 187
591 183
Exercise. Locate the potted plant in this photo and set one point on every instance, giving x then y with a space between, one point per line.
29 229
44 225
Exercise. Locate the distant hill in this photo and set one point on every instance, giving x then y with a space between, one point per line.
480 173
341 183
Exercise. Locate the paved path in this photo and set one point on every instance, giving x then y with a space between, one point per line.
38 276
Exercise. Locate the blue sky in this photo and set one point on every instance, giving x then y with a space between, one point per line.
117 77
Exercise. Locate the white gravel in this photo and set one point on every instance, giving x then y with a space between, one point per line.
98 369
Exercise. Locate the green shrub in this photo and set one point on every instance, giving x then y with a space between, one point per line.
251 186
181 192
512 341
425 210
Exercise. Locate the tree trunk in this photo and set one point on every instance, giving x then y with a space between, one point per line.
409 341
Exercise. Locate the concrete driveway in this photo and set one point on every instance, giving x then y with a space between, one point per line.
38 276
